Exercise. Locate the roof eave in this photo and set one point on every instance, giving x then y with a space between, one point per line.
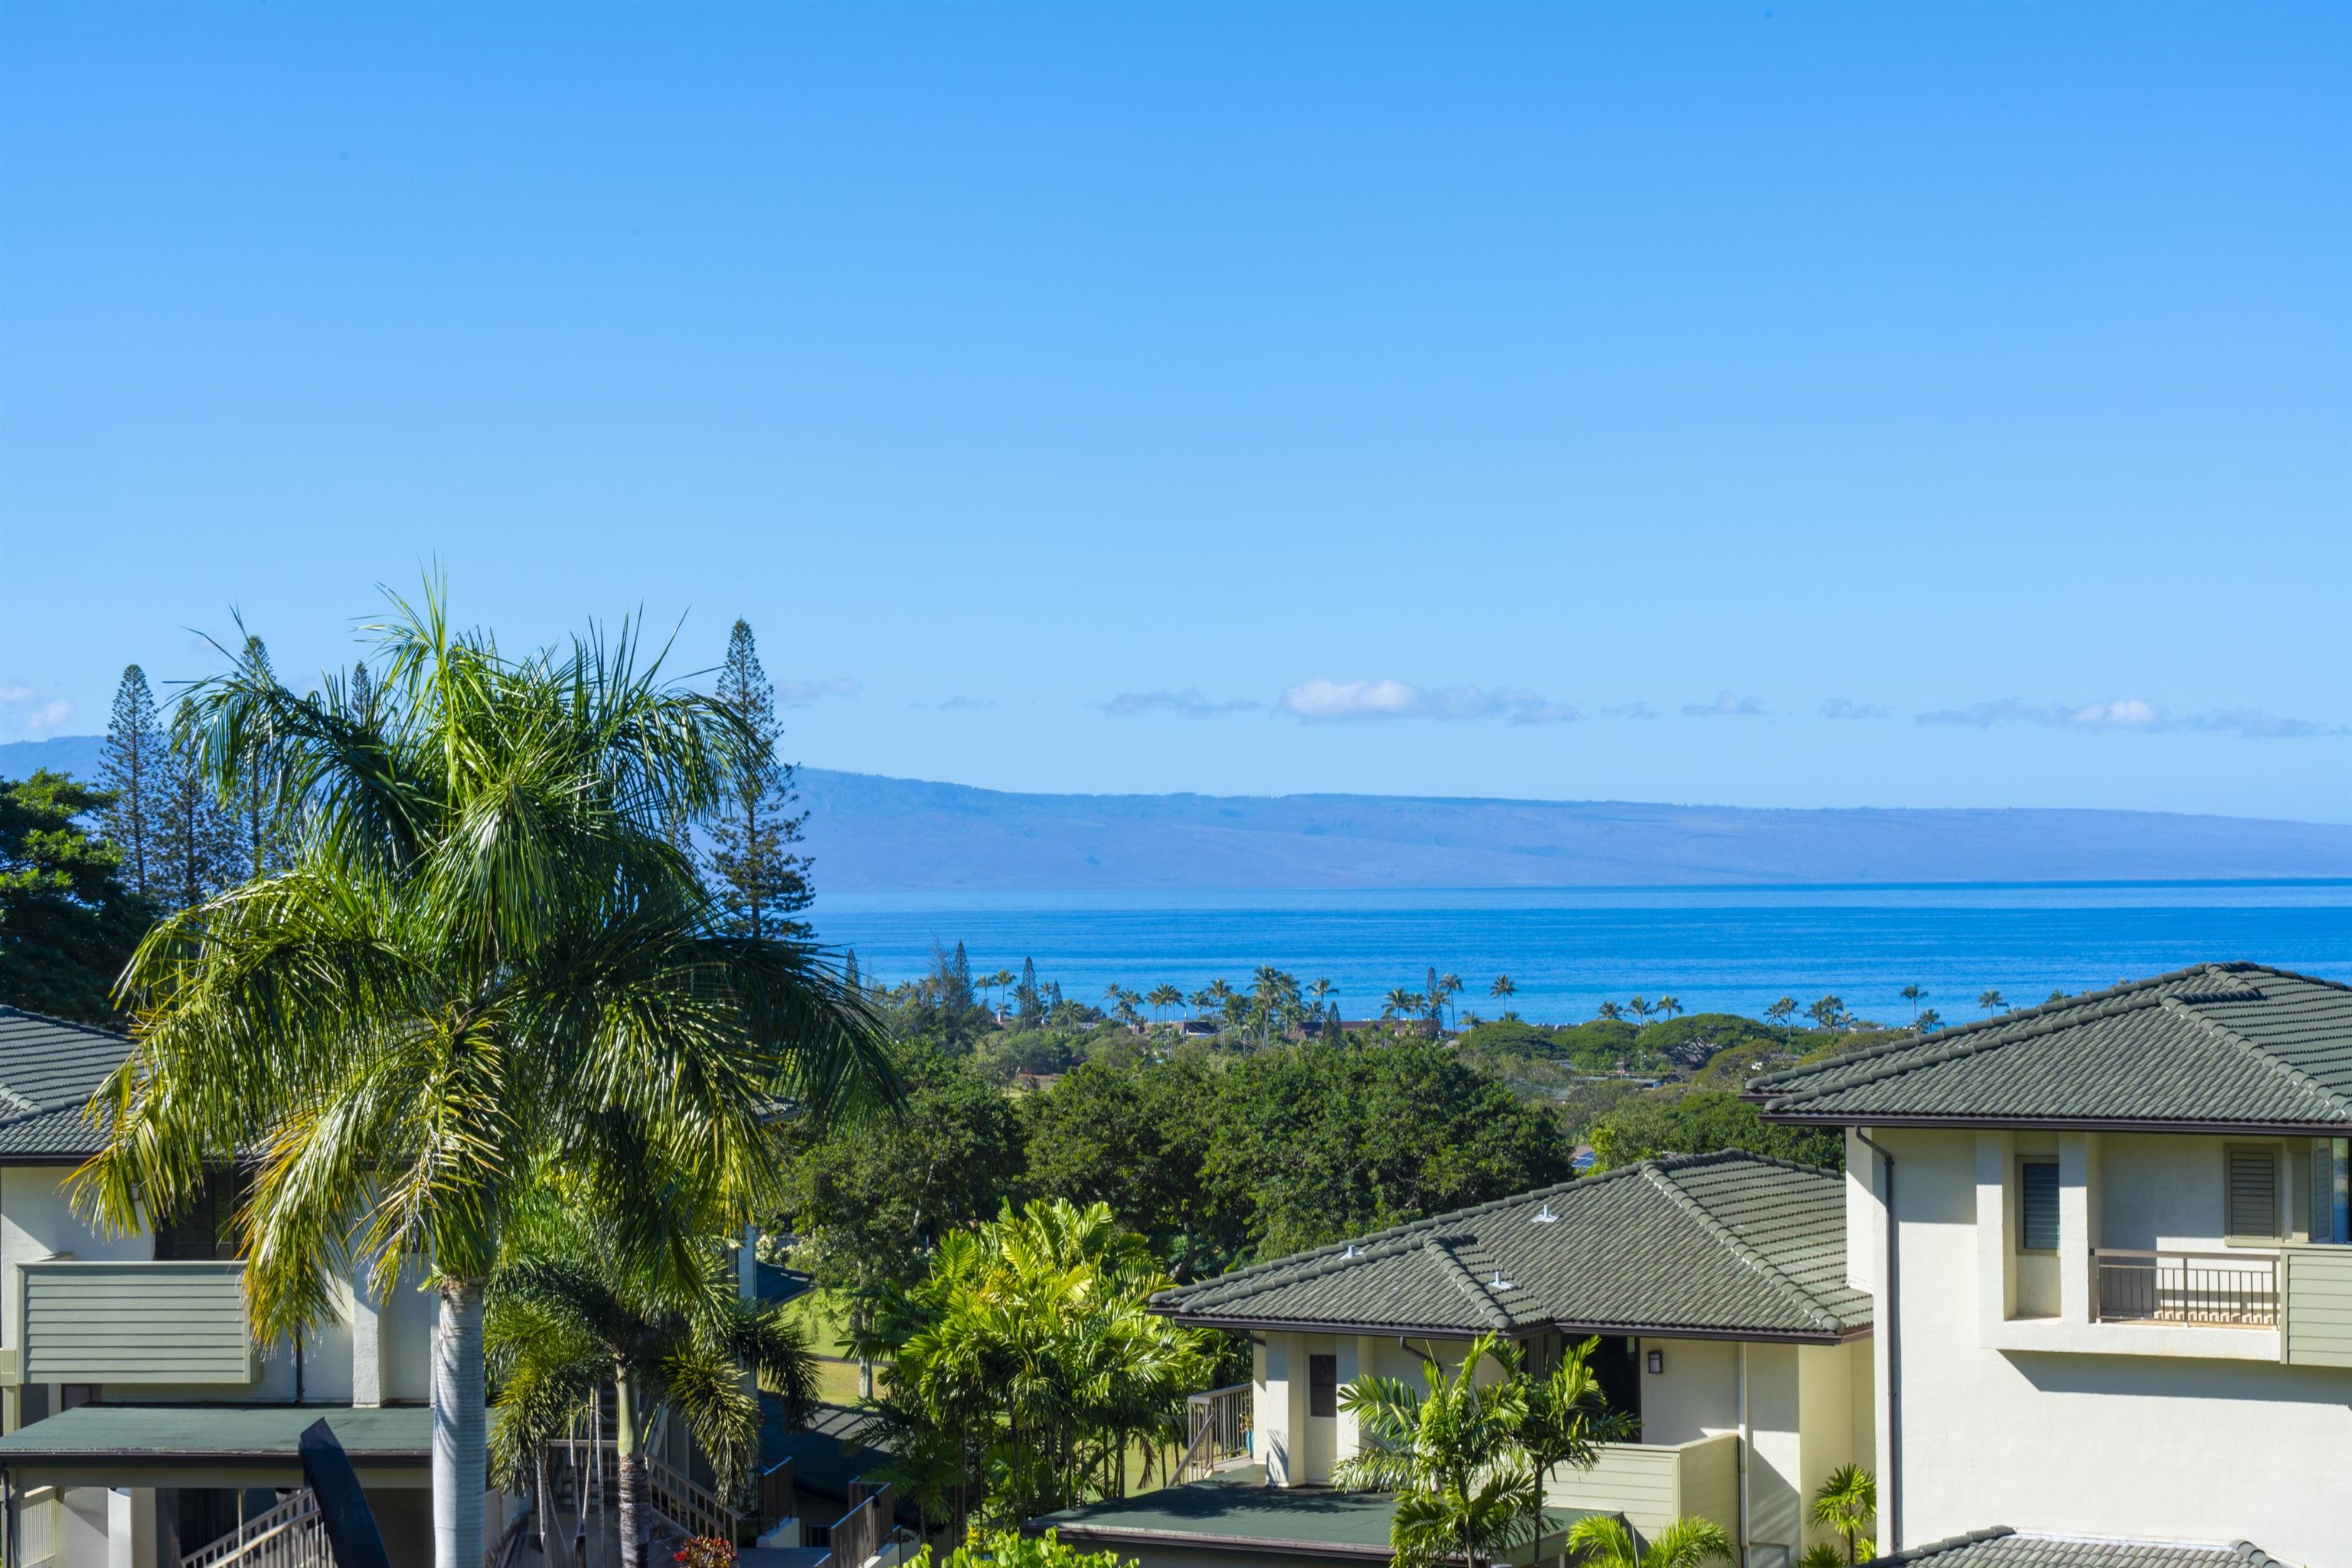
2271 1128
1561 1326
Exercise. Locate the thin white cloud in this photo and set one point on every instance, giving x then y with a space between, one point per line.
30 711
2135 714
801 693
959 703
1847 707
1190 702
1323 701
1630 710
1726 705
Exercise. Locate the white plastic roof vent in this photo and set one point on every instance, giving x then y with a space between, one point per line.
1545 1215
1498 1282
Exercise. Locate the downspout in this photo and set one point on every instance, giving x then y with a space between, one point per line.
1745 1437
1893 1356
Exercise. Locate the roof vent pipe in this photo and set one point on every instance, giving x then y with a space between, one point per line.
1545 1216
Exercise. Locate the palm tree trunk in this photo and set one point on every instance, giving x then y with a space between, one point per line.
630 1460
460 1427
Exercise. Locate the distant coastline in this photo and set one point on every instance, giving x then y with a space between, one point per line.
871 833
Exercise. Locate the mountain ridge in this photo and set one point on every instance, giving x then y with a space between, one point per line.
873 834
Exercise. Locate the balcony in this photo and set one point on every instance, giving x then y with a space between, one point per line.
1653 1484
130 1323
2317 1297
2212 1289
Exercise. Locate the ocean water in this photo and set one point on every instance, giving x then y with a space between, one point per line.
1728 949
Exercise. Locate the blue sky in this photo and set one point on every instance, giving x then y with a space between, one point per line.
1777 404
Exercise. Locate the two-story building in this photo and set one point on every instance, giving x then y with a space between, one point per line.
2106 1242
139 1417
1716 1285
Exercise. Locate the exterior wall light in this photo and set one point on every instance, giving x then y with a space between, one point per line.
1657 1361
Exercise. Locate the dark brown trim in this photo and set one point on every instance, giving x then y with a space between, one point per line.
13 1456
2060 1123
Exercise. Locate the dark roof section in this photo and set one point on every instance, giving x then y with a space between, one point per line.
197 1434
1240 1513
1729 1245
48 1070
2231 1047
2001 1547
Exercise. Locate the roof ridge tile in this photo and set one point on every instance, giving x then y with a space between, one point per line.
2236 1041
1722 1233
1458 1275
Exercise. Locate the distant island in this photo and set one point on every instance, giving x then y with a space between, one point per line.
876 834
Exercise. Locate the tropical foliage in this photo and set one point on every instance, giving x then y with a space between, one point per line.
1847 1503
1466 1487
1023 1369
487 960
573 1312
1603 1541
1013 1548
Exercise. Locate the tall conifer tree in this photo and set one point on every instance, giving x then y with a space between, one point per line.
195 837
1026 996
132 769
761 883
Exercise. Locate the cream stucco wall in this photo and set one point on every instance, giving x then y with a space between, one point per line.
2195 1446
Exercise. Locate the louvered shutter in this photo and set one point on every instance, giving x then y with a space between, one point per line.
2254 1193
2038 1207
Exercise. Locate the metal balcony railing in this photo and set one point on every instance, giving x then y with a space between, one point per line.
2229 1289
1216 1431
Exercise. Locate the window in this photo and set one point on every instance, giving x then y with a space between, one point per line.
206 1226
2253 1197
1322 1386
2037 1205
2331 1189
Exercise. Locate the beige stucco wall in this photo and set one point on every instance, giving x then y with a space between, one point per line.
2193 1446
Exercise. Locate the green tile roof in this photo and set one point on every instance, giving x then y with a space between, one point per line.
168 1433
2001 1547
1731 1244
2227 1045
49 1069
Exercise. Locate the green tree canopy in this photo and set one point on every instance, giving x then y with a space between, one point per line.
68 925
1700 1121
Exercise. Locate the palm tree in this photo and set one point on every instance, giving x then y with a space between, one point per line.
1847 1503
1610 1011
1640 1008
1991 1002
487 960
2055 996
1781 1011
1568 1418
1503 988
1465 1488
1668 1006
1451 986
1928 1021
1603 1541
1203 1000
1163 998
1914 994
1829 1013
571 1307
1400 1004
